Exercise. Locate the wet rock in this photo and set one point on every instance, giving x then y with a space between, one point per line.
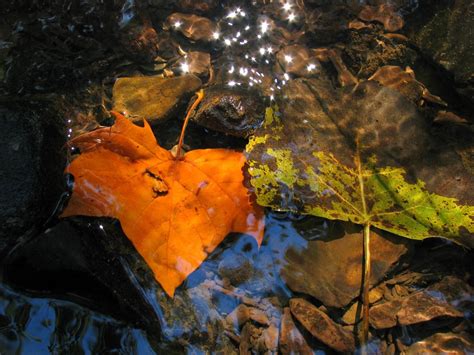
446 38
153 98
201 6
321 326
367 51
291 339
298 60
358 25
416 308
404 81
330 268
344 76
193 27
140 41
259 316
453 290
385 14
237 269
270 337
232 111
198 63
31 170
325 26
238 317
355 311
443 343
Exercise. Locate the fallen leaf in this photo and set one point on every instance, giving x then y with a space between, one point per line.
361 155
175 211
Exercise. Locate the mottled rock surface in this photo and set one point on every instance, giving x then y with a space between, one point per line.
291 339
330 269
416 308
443 343
447 38
232 111
321 326
153 98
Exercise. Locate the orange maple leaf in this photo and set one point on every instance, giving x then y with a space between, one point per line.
175 211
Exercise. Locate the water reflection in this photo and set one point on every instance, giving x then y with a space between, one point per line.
34 325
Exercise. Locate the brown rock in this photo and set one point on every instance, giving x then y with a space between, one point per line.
384 14
443 343
233 111
291 339
321 326
330 269
193 27
201 6
453 290
345 77
416 308
270 337
258 316
383 316
358 25
198 63
153 98
298 60
420 307
239 316
404 81
245 345
141 42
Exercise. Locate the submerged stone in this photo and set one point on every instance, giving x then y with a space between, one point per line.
193 27
291 339
234 111
330 268
416 308
321 326
443 343
447 38
31 175
153 98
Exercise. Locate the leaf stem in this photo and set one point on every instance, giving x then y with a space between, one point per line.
365 290
200 96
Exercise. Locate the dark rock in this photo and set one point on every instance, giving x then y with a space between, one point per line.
367 51
291 339
321 326
104 255
232 111
330 268
385 14
200 6
443 343
31 171
446 38
325 26
153 98
416 308
193 27
140 41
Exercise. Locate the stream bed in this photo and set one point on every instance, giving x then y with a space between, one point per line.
396 74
